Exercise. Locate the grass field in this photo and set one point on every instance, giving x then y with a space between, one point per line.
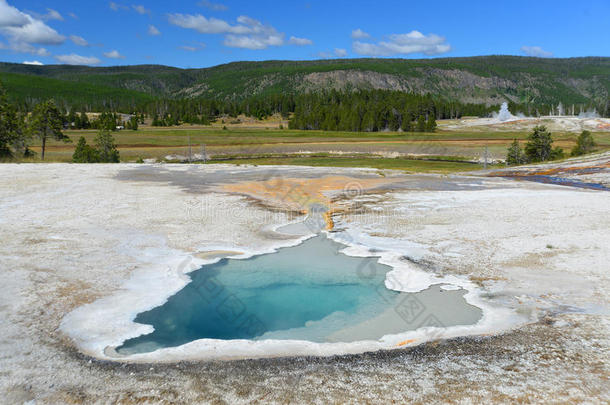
409 165
316 148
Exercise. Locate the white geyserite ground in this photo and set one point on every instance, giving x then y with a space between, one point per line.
74 235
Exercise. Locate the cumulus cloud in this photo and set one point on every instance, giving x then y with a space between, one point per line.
205 25
247 33
33 62
22 31
74 59
300 41
252 42
404 44
140 9
80 41
259 35
340 52
359 34
536 51
114 54
10 16
22 47
152 30
213 6
34 32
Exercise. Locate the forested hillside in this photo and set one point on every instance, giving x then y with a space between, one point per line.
489 80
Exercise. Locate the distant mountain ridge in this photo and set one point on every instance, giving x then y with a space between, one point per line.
482 79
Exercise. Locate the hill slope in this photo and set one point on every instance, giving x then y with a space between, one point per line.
485 79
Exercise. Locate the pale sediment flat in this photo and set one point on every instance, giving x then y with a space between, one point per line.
85 237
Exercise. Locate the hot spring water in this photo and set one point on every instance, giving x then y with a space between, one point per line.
307 292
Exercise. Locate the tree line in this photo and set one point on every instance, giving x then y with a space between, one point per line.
47 122
539 147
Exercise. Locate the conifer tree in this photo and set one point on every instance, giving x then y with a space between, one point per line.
106 147
540 145
431 124
421 124
47 122
515 154
84 153
584 144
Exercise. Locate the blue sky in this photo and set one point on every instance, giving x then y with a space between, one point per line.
202 33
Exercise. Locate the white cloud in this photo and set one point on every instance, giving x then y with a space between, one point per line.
10 16
34 32
205 25
213 6
22 30
337 52
252 42
116 6
247 33
404 44
259 35
359 34
23 47
52 15
32 62
193 48
74 59
140 9
80 41
300 41
114 54
152 30
536 51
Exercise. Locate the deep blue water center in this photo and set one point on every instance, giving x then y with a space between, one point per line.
307 292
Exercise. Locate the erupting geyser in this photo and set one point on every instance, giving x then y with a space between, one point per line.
504 114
